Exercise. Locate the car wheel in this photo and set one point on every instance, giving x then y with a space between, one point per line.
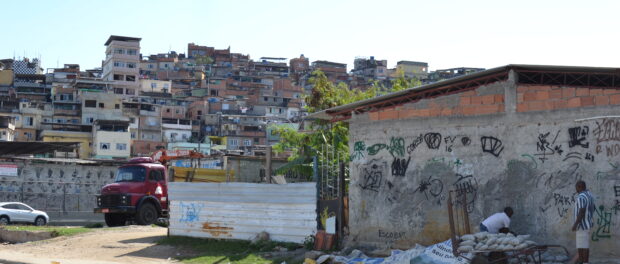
4 220
40 221
147 214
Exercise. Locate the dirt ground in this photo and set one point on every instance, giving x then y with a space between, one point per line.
132 244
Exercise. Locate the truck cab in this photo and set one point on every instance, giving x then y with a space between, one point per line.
139 193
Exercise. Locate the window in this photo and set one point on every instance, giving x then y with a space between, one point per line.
199 112
265 99
132 52
117 106
156 175
119 64
130 91
184 136
119 51
133 135
247 142
233 142
104 146
150 66
10 206
118 90
29 120
280 110
256 140
130 78
90 103
176 111
131 65
166 86
118 77
101 105
153 85
90 120
121 146
167 110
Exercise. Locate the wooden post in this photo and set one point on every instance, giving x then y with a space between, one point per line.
268 164
452 229
340 217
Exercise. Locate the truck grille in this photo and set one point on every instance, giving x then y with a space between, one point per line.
109 200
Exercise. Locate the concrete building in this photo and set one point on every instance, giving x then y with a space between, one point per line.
84 138
413 69
111 139
122 63
101 105
517 135
370 68
335 72
155 86
7 128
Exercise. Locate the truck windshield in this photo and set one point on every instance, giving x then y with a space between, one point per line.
131 174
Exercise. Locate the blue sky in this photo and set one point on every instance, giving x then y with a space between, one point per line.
443 33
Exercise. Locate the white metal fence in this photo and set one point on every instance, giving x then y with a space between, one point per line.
242 210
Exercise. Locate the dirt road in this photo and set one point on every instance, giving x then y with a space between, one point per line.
132 244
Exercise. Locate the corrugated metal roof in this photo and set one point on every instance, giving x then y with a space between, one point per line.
242 210
325 114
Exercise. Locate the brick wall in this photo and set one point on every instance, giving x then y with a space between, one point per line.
481 101
547 97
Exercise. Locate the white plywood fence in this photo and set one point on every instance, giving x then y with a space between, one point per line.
242 210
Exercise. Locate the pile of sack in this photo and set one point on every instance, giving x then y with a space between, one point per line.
485 241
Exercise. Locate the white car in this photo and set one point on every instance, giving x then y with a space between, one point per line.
19 212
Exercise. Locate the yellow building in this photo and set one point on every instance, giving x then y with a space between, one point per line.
6 77
84 138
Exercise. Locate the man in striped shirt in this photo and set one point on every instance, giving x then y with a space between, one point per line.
584 210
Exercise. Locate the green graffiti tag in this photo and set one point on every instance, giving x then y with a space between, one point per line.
374 149
604 224
358 150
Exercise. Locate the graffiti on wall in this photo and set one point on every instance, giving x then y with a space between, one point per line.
190 212
492 145
372 174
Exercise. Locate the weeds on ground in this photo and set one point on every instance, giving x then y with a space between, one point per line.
224 251
56 230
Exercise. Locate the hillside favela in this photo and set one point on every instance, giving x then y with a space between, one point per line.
257 133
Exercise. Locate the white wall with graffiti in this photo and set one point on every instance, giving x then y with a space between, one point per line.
242 210
54 187
402 170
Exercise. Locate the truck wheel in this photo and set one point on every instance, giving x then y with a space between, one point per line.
113 220
147 214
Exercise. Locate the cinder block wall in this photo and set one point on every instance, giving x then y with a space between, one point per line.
56 187
507 144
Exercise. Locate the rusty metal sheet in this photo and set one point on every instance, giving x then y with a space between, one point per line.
242 210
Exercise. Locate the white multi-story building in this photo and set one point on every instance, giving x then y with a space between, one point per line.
122 64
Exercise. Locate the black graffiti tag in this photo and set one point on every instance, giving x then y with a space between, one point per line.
399 166
492 145
432 140
577 136
372 174
416 142
466 141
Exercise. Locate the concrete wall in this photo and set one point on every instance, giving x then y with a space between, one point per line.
248 169
503 150
66 188
112 139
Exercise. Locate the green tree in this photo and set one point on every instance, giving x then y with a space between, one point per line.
325 94
203 60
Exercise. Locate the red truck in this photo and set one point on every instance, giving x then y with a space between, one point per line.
140 190
139 193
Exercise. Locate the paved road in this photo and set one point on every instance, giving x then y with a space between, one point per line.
132 244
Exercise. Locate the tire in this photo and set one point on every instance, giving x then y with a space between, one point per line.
147 214
40 221
4 220
113 220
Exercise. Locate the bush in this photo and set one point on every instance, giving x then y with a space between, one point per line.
94 225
